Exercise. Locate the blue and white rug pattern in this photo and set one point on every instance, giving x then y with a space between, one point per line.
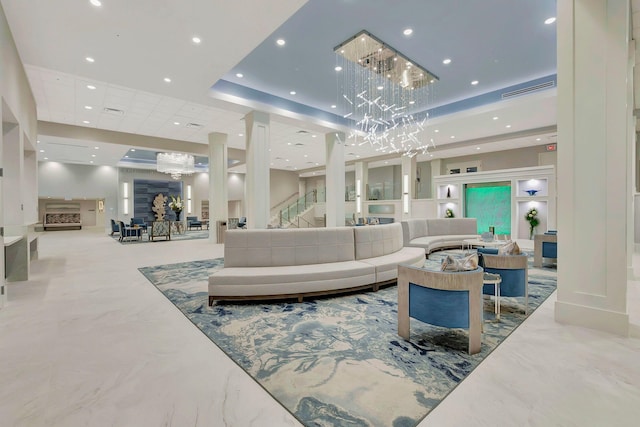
187 235
339 361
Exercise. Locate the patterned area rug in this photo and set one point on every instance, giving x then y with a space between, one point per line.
339 361
188 235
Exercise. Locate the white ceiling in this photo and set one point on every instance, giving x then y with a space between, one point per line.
137 44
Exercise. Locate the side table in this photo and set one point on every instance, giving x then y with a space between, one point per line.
495 280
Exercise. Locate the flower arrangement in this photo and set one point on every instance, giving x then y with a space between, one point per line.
176 205
532 219
449 213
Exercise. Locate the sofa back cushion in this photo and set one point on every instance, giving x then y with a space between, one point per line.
452 226
377 240
413 228
279 247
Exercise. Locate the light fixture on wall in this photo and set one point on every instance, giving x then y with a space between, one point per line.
125 198
358 198
384 93
189 202
175 164
405 194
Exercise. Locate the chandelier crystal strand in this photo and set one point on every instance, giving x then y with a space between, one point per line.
175 164
384 94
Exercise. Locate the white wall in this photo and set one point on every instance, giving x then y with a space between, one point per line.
498 160
282 185
77 182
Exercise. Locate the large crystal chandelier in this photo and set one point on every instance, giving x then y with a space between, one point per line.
385 94
175 164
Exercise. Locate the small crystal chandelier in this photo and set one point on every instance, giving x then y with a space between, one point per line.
175 164
384 93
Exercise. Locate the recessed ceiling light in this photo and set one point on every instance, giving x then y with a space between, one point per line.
288 143
133 149
386 163
508 126
293 92
46 158
126 157
88 107
97 148
430 155
96 3
495 117
412 102
436 130
38 141
42 151
380 87
357 156
91 87
537 139
93 155
89 59
452 137
306 155
176 123
281 42
407 32
90 161
167 80
317 164
446 61
333 106
475 82
196 39
86 122
239 75
550 20
477 148
286 160
313 136
338 68
241 134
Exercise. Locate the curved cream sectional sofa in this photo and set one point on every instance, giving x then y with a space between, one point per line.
438 233
284 263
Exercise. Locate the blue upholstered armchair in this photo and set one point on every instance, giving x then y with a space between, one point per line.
115 227
137 221
514 271
545 246
441 298
192 221
128 233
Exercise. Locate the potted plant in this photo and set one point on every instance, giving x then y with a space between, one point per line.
177 206
449 213
532 219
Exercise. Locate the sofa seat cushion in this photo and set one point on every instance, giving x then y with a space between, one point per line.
387 265
290 279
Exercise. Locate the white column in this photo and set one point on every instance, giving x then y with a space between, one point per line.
218 194
335 179
593 165
436 170
362 181
408 174
257 177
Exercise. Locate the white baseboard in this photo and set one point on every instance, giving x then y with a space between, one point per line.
593 318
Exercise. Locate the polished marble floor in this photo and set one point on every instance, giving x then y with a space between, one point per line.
89 341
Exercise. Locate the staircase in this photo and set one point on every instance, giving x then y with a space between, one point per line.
296 214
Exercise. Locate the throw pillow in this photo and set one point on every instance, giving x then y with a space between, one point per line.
511 248
470 262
